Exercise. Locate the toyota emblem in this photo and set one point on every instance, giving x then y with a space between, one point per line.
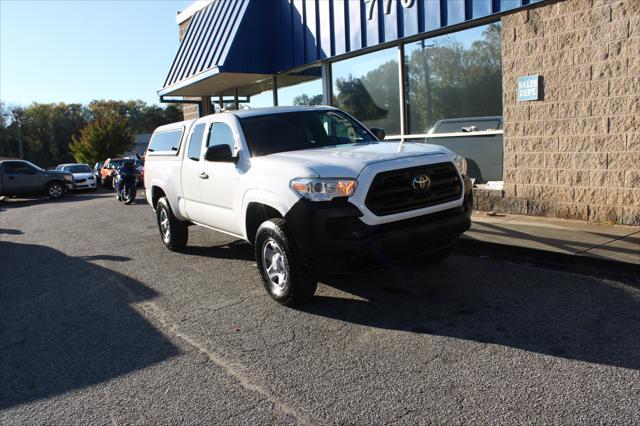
421 183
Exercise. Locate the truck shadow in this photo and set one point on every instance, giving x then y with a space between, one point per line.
68 324
487 301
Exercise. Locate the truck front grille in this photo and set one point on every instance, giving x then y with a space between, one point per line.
393 191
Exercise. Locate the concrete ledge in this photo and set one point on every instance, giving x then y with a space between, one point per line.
611 248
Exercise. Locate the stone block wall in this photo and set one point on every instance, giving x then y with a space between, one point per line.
576 153
189 111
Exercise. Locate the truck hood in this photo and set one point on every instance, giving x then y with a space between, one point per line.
349 160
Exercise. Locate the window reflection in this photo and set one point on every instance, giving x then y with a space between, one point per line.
300 87
367 86
456 75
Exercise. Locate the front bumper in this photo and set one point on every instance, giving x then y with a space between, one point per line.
333 238
85 185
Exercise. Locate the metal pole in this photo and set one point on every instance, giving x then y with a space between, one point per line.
20 147
274 86
235 98
327 89
403 109
221 101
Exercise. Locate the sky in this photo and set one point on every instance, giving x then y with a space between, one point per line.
80 50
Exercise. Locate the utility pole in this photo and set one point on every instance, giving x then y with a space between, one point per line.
20 148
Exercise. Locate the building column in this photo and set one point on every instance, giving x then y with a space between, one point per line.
327 88
206 107
274 87
403 104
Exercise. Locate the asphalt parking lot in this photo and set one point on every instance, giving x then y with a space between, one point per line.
101 324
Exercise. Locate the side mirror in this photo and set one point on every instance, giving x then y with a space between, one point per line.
379 133
220 153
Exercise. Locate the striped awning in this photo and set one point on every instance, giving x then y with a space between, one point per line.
206 44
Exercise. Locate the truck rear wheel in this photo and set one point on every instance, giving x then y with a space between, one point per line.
284 272
174 232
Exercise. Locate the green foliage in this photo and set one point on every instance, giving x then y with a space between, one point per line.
447 80
48 129
108 136
354 97
304 99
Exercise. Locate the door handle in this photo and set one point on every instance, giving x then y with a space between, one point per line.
203 175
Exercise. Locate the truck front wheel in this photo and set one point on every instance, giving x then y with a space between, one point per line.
284 272
174 232
55 190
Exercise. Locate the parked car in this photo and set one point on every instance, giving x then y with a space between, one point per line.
96 172
311 188
83 176
19 177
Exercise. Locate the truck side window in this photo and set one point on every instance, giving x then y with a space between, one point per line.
166 141
221 134
19 169
195 142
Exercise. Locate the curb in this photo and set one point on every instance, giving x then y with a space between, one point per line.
561 261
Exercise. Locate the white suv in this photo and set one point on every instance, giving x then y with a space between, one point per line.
310 187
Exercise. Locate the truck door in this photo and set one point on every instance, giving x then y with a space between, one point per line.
220 183
20 177
191 169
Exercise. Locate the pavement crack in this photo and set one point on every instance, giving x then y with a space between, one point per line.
233 369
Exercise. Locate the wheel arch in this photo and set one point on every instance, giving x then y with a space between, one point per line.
256 214
156 194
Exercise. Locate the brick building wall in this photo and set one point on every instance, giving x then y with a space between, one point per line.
189 111
576 153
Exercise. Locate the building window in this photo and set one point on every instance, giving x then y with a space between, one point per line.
452 76
367 87
300 87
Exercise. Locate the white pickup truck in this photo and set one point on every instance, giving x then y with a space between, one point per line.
311 188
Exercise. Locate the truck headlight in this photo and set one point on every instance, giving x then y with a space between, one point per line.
461 164
324 189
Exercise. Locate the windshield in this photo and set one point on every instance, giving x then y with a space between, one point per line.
294 131
77 168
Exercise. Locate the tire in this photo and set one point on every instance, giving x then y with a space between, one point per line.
129 194
283 271
55 190
173 232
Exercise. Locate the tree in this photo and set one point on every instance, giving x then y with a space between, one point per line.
354 97
109 135
304 99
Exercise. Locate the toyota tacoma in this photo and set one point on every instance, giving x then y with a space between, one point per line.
311 188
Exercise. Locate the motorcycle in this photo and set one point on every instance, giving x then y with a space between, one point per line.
125 186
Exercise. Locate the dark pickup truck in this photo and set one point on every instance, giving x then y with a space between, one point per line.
19 177
478 140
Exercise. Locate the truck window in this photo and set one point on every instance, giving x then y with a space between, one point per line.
292 131
195 142
19 168
221 134
168 141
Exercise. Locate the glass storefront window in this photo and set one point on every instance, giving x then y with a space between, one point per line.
300 87
367 87
452 76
